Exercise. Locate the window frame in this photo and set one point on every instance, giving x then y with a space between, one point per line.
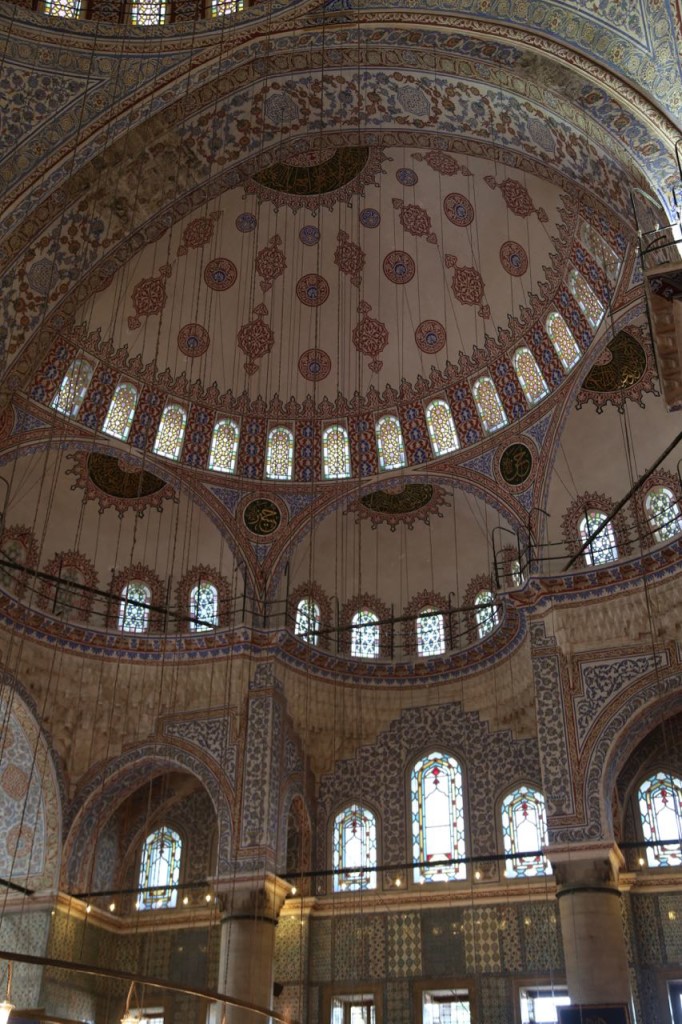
434 445
393 417
172 888
537 981
655 530
475 387
455 983
234 460
432 613
196 626
181 444
587 553
78 399
371 870
546 870
492 608
336 476
650 774
122 384
292 454
461 868
362 989
360 626
123 601
308 636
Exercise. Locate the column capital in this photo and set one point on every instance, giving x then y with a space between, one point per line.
586 866
254 897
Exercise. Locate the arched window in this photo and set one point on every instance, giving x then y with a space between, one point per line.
354 849
63 8
600 250
365 635
335 452
133 609
603 547
148 12
222 7
203 607
75 383
308 619
590 306
564 343
160 870
279 458
441 427
660 809
390 443
121 412
524 833
663 513
515 573
224 446
430 633
487 617
171 432
531 380
489 406
437 802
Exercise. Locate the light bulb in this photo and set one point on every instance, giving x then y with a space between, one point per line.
185 900
477 875
208 897
88 908
398 883
112 907
5 1010
294 890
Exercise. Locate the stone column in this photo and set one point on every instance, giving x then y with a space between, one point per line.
247 943
591 922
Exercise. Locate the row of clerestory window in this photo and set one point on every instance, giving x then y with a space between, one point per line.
598 537
136 600
438 834
279 455
366 627
142 12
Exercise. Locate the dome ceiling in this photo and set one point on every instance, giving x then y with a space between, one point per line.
340 269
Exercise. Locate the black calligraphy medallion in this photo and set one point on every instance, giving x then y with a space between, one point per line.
262 516
516 464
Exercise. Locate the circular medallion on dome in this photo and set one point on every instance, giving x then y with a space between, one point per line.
309 234
220 274
458 209
430 336
516 464
312 290
399 267
262 517
193 340
370 218
514 258
246 222
406 176
314 364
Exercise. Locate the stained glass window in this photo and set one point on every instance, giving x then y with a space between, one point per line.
582 293
121 412
224 446
365 635
660 803
159 870
335 453
221 7
63 8
430 633
133 611
308 620
148 12
562 339
171 432
524 832
663 513
437 801
603 547
354 849
531 380
279 460
390 443
203 607
515 572
489 406
441 428
602 252
69 398
487 617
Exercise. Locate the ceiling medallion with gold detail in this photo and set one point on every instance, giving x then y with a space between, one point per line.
262 517
119 483
624 371
400 503
311 174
